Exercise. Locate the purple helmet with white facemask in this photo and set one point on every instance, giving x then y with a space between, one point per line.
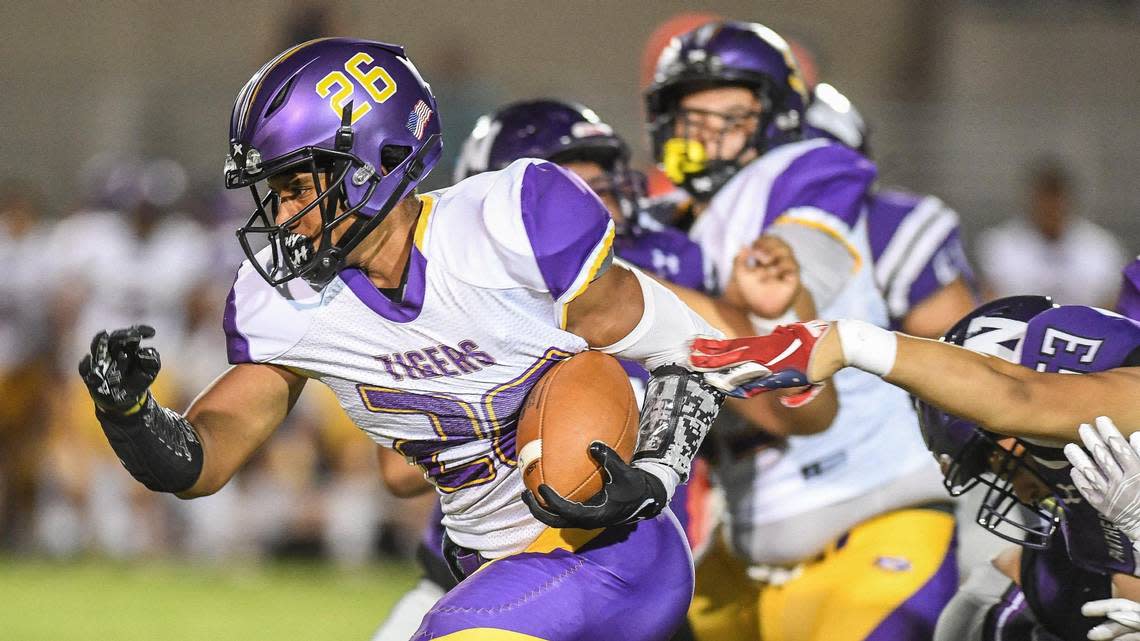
969 454
358 117
557 132
1030 494
721 54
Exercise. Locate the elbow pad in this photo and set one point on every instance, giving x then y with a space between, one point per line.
156 445
678 411
666 328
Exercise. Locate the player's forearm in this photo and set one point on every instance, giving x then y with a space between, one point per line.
1010 399
156 445
403 479
234 416
938 312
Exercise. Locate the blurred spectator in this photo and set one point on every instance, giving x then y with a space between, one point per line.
129 259
1051 250
24 356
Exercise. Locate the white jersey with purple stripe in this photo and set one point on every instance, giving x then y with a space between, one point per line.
441 375
874 440
1129 301
916 248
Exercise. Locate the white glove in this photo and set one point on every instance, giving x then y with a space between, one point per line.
1111 484
1123 615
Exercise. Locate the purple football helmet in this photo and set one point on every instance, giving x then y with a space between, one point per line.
722 54
557 132
359 118
969 454
831 115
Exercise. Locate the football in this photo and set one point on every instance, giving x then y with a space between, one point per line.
582 399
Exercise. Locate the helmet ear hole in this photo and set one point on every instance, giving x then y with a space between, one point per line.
279 99
392 155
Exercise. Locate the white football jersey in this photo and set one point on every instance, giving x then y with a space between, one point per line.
441 376
875 437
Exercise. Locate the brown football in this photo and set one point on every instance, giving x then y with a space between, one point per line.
582 399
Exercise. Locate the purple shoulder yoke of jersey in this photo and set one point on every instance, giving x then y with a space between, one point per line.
830 177
564 221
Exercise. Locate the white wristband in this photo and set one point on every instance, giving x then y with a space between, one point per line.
667 475
867 347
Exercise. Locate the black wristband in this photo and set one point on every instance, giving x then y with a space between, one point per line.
156 445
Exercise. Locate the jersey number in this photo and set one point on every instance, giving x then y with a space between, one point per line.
457 422
345 87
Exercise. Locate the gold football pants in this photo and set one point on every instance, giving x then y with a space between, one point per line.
886 579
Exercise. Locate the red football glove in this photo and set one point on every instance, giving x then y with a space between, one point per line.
745 367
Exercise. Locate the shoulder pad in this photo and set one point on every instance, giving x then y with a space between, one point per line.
262 322
532 224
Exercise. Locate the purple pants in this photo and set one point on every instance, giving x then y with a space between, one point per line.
630 583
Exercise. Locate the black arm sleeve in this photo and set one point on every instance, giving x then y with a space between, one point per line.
678 411
158 446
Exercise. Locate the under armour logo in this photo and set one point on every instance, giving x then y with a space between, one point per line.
237 149
665 264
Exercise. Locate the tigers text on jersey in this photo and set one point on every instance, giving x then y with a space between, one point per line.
874 439
916 247
441 375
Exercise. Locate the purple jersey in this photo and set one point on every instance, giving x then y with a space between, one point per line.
916 247
664 252
1129 302
1047 606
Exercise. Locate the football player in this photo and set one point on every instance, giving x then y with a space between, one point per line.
1066 554
575 138
916 247
854 514
431 316
988 391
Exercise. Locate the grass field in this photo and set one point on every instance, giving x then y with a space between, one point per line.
107 601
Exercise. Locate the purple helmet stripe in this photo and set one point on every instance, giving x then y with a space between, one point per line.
249 91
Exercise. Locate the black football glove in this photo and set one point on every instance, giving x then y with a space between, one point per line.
628 494
118 371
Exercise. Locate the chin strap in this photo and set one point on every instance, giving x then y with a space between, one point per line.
330 260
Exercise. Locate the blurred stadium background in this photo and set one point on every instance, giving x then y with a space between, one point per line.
113 126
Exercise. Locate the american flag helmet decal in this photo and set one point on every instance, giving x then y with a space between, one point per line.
418 119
